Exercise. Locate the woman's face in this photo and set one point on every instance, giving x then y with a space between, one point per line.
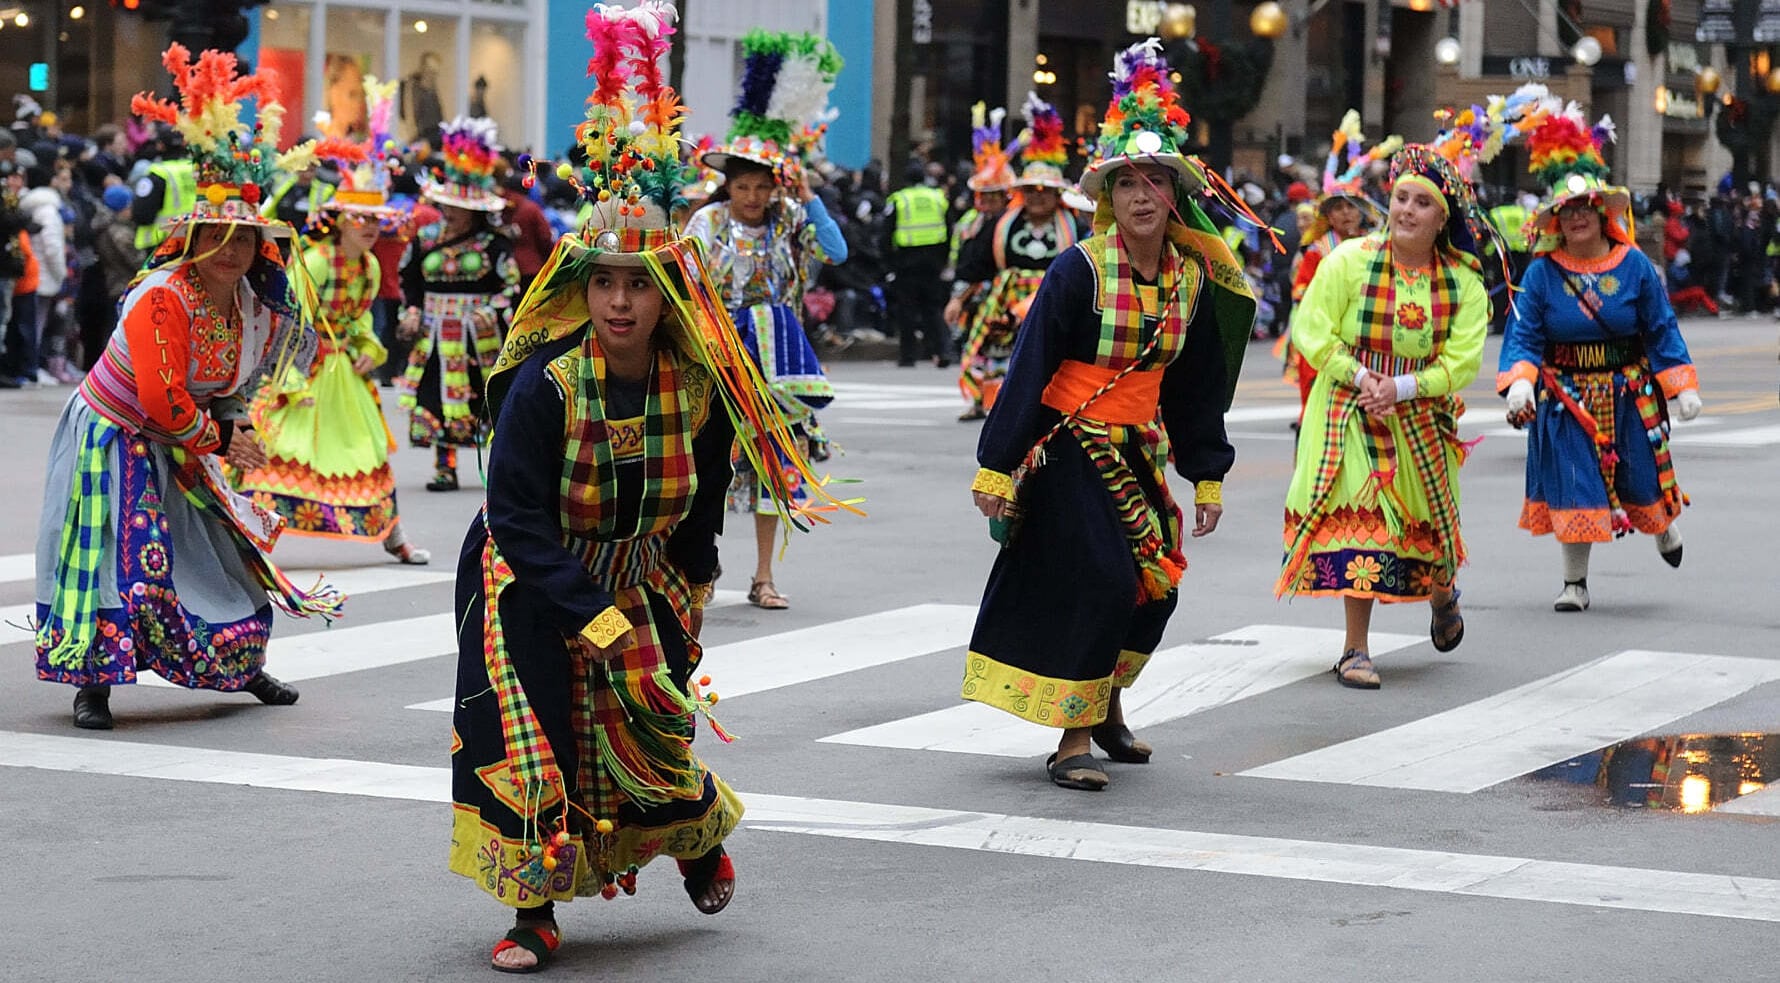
1417 216
625 306
1580 223
457 220
1140 199
1344 218
749 194
358 233
1041 203
225 251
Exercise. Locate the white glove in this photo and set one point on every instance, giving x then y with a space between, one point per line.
1687 403
1520 397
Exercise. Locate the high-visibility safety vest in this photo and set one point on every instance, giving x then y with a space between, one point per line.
179 193
1510 220
920 217
319 193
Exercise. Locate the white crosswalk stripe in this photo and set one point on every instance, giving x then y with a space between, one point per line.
1474 875
806 654
1529 727
1177 682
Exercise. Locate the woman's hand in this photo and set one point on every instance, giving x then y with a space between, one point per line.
363 365
408 328
245 453
954 309
695 622
1378 394
798 182
606 653
992 506
1205 519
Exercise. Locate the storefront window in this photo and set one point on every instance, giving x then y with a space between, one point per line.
284 39
430 76
496 49
354 50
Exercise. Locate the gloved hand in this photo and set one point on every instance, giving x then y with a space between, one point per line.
1687 404
1520 397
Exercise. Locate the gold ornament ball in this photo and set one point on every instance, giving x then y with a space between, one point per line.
1268 21
1708 80
1773 80
1179 21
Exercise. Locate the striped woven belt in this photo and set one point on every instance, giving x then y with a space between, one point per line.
1595 356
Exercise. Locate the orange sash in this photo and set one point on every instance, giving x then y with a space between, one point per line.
1133 401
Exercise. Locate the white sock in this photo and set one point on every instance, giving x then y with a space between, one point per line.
1668 539
1575 562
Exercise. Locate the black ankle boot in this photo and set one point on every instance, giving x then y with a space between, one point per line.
268 690
92 708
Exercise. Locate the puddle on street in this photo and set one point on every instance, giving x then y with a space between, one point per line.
1688 773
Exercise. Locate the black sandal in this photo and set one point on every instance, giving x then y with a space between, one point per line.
707 870
443 481
1120 744
539 940
1355 671
1078 772
1444 617
268 690
92 708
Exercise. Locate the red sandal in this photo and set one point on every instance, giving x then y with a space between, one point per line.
539 940
712 868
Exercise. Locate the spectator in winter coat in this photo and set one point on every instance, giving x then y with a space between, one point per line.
42 204
116 261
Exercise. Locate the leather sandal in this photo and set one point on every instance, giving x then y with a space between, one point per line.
1120 744
1078 772
701 874
268 690
762 594
1355 670
92 708
540 940
1442 624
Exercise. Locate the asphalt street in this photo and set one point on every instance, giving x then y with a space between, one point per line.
1287 829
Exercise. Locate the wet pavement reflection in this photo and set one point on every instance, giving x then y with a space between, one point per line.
1688 773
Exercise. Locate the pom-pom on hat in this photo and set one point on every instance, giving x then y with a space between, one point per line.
1043 153
1564 154
468 154
991 171
1144 123
235 161
782 111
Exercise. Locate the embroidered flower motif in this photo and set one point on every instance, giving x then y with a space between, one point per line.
1364 572
1607 285
1026 684
264 501
1412 317
1072 705
343 519
154 559
1423 580
308 516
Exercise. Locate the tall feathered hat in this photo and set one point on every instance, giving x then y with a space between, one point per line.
992 172
1564 154
1344 175
468 156
1043 153
235 160
633 178
367 172
782 111
1144 123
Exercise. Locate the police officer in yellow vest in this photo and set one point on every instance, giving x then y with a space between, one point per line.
165 193
297 197
918 234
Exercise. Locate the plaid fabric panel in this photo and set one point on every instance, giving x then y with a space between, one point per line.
1126 332
530 761
345 295
65 639
589 485
1591 399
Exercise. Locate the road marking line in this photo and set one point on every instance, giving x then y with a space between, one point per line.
17 567
1357 864
1178 682
351 581
1747 437
911 403
886 421
830 649
1765 802
316 654
1529 727
845 390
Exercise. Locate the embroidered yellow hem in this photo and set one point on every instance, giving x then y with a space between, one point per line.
1208 493
1130 665
510 871
608 627
993 483
1039 699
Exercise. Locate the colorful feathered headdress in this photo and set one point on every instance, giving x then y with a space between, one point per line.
367 169
1144 121
782 112
1564 154
235 159
1043 153
991 172
469 155
1466 229
1344 176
